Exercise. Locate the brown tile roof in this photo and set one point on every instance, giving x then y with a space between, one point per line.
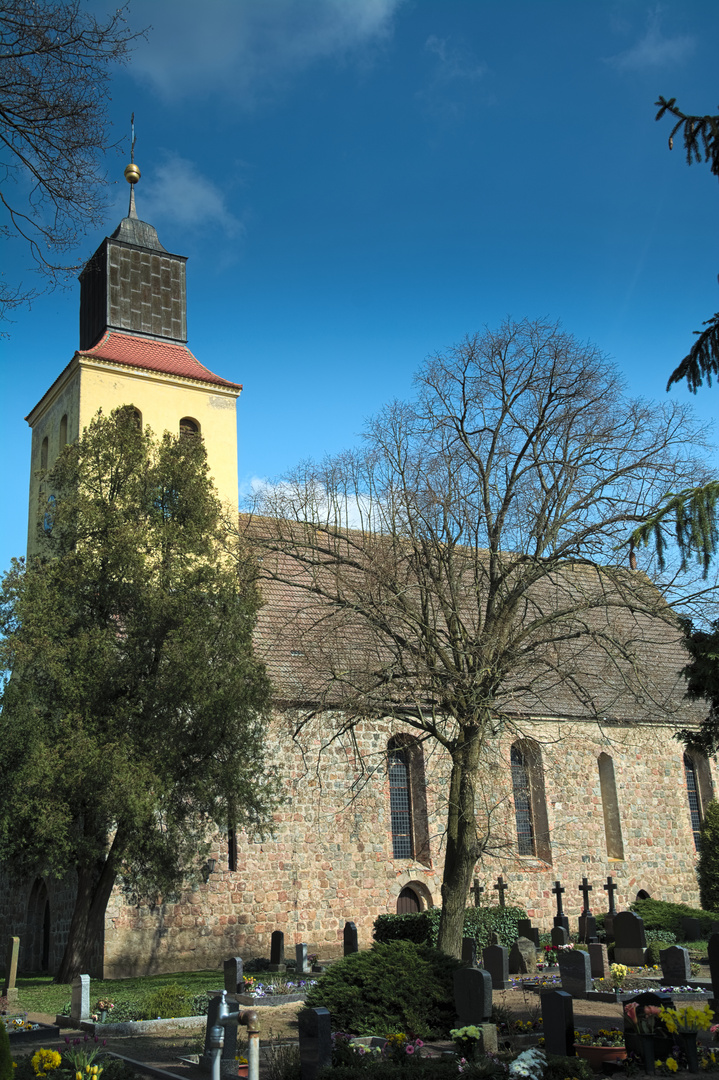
150 354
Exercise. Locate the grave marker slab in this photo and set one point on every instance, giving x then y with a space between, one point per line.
11 957
691 928
350 939
315 1035
558 1022
472 995
277 951
575 972
523 957
630 941
559 936
676 966
469 952
495 960
80 1005
527 930
302 964
599 961
234 975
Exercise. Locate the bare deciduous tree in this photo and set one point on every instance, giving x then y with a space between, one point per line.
55 62
459 572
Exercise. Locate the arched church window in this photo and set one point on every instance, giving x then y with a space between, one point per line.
63 432
699 789
408 799
188 426
44 453
610 806
530 804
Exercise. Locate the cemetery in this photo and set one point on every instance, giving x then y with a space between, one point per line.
520 1002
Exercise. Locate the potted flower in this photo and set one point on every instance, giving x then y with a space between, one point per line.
467 1040
684 1022
607 1044
644 1034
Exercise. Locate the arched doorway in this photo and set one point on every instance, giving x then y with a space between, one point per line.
37 933
408 902
643 895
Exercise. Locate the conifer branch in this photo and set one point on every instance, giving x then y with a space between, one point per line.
694 512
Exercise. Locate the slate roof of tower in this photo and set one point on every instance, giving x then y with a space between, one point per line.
168 357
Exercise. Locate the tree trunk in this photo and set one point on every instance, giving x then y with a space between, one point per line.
87 926
462 845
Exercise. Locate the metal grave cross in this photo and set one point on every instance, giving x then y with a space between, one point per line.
585 888
501 887
558 890
477 889
610 888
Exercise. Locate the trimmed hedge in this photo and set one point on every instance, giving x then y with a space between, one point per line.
480 923
661 915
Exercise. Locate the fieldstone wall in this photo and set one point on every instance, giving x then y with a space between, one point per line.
328 854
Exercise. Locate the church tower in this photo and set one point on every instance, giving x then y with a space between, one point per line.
133 351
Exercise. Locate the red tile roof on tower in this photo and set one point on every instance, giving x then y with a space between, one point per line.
168 357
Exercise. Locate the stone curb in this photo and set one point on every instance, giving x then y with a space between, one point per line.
135 1027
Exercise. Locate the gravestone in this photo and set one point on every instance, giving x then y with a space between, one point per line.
315 1034
575 972
350 939
713 954
630 941
473 1002
277 951
228 1065
599 961
302 964
80 1005
676 966
234 975
10 989
523 957
558 1022
495 960
691 928
559 936
469 952
525 928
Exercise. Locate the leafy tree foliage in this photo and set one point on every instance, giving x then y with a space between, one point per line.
133 719
693 510
55 65
708 866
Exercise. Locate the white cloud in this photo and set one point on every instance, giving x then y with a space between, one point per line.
454 62
250 49
177 189
654 49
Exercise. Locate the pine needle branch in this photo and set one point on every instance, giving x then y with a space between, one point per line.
694 513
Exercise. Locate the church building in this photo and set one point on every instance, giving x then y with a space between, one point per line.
361 830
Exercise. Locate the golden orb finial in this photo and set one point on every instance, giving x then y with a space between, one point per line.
132 173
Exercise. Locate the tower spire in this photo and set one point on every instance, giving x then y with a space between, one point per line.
132 173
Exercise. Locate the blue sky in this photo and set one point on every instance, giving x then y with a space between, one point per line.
360 183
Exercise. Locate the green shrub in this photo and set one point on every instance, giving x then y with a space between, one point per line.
664 937
651 953
479 923
660 915
566 1068
395 986
708 866
167 1002
126 1011
6 1065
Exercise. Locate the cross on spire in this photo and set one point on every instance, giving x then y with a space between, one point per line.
501 887
477 889
585 888
610 888
558 890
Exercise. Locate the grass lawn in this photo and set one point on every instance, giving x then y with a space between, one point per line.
38 993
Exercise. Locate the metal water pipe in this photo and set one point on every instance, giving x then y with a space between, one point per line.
247 1018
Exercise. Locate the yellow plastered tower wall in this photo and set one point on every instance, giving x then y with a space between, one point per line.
133 351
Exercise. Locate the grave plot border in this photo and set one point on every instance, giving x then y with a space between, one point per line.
43 1032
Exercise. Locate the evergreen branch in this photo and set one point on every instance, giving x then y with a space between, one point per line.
694 511
702 360
701 133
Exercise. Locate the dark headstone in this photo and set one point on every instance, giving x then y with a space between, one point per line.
713 954
234 975
559 936
472 995
229 1048
630 941
525 928
523 957
599 961
469 952
558 1022
315 1034
562 920
609 926
676 966
277 951
587 928
350 939
575 972
302 964
691 929
495 960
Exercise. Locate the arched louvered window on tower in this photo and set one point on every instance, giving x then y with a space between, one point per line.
407 799
700 789
530 804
